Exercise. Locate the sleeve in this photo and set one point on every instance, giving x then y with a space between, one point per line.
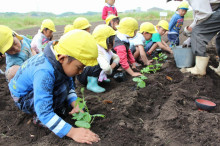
131 57
172 22
122 53
72 94
116 12
43 101
138 40
156 37
115 58
104 64
104 13
39 44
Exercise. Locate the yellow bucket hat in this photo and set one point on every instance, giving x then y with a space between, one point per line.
6 38
101 33
47 23
81 23
164 24
127 26
109 18
78 44
68 28
147 27
184 5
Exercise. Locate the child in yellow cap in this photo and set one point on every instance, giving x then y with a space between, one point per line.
127 28
16 48
104 35
109 9
137 43
68 28
81 23
112 21
176 23
156 41
43 85
44 35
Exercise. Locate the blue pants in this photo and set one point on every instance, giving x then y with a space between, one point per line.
174 39
148 46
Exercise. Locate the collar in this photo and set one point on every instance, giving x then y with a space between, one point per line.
109 5
122 37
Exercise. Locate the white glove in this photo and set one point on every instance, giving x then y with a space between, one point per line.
186 32
187 43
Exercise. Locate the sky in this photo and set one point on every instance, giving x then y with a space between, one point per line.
80 6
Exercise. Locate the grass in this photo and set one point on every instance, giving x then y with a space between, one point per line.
18 22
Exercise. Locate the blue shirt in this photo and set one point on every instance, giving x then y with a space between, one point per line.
37 74
22 56
175 24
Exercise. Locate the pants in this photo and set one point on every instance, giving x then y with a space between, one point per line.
204 32
148 46
93 71
174 39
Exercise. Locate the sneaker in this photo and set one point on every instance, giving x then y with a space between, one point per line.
37 122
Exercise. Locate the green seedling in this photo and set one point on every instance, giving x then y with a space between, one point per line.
84 119
162 57
140 81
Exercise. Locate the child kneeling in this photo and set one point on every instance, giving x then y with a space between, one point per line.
43 85
104 35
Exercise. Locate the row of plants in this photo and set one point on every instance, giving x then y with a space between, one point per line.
149 69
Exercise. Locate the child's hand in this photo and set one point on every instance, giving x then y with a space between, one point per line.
83 135
76 110
133 66
149 62
135 74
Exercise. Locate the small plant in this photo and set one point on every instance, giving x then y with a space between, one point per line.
140 81
162 57
84 119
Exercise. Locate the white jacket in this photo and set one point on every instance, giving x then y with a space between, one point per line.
202 9
104 61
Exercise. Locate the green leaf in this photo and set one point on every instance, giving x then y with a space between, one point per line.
155 58
141 84
87 117
99 115
136 79
82 124
81 105
143 77
82 90
78 116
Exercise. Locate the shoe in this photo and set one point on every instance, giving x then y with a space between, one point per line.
216 70
199 68
107 80
93 86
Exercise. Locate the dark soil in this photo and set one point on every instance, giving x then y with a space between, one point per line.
162 113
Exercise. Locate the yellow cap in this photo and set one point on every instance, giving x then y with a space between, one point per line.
164 24
78 44
184 5
47 23
127 26
81 23
6 38
147 27
109 18
101 33
68 28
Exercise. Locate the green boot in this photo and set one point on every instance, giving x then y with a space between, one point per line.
93 86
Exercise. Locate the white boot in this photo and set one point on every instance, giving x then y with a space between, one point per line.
217 70
199 68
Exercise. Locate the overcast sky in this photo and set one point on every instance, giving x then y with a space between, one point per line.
80 6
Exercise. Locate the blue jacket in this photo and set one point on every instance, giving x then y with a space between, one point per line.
176 23
44 75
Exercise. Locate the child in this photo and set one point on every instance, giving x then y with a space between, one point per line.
112 21
109 9
43 85
156 40
176 23
44 35
16 48
138 42
68 28
104 35
81 23
127 28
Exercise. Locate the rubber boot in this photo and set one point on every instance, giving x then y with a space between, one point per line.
199 68
107 80
217 70
93 86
